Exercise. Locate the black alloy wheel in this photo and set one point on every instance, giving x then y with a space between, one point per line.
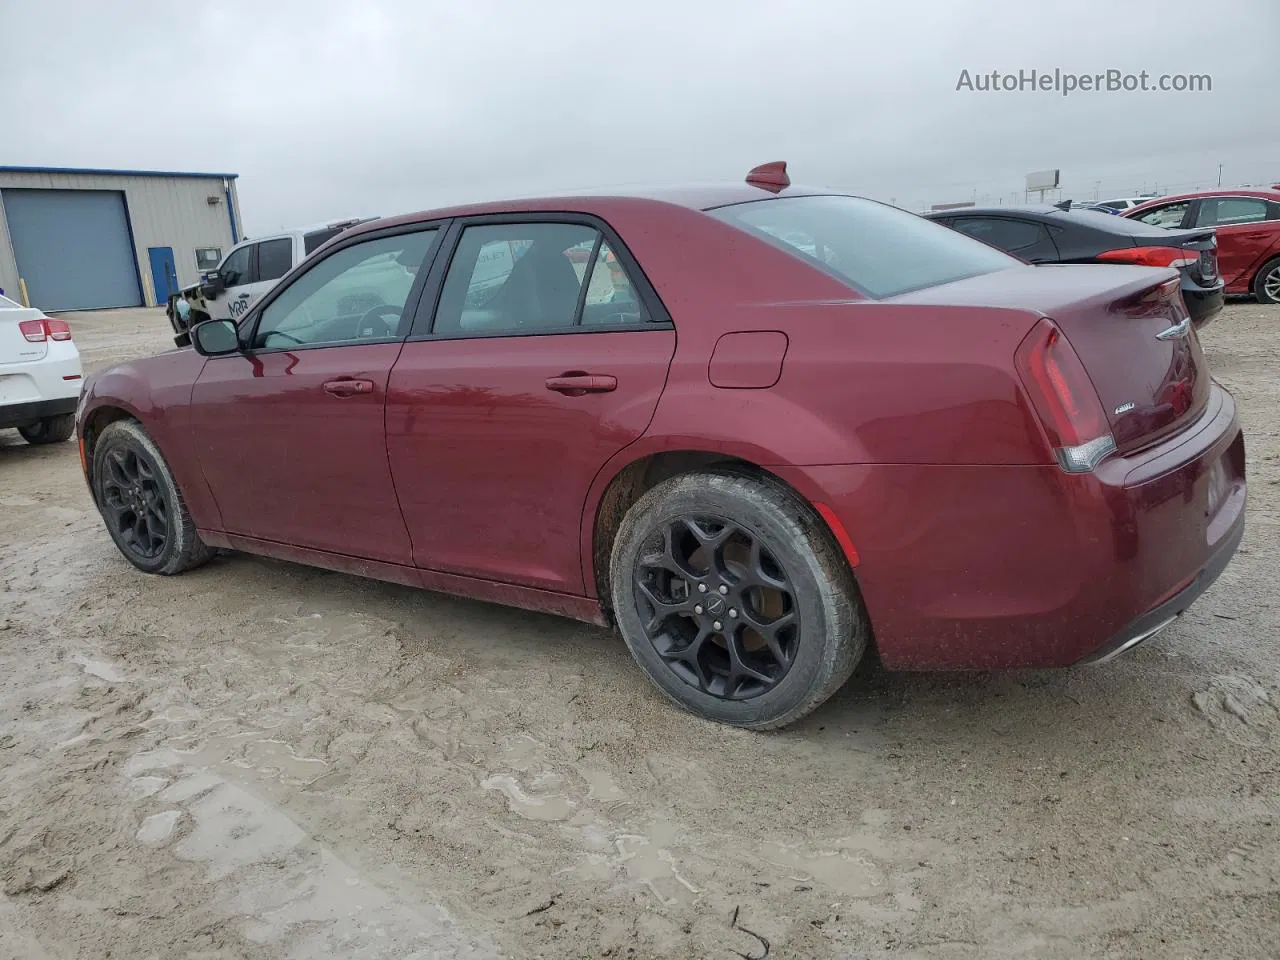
140 502
734 598
718 607
134 504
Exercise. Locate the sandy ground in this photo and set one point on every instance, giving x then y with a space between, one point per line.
260 760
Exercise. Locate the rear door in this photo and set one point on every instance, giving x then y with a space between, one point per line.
545 354
1246 237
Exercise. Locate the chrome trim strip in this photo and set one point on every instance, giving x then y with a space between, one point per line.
1134 641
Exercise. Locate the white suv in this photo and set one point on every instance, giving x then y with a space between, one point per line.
40 374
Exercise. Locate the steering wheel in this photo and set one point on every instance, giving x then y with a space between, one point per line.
381 312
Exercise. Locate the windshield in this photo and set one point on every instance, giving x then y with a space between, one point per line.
879 250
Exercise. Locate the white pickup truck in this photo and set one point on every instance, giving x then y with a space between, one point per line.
249 270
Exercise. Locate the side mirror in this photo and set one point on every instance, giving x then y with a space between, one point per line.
215 338
212 286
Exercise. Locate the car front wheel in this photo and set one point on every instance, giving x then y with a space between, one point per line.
1266 285
141 504
734 599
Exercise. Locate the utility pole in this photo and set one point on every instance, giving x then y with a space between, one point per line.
1097 184
1219 174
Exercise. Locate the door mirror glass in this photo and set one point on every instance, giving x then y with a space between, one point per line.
215 338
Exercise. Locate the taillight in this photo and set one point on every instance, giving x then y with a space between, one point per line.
1152 256
57 329
46 328
1064 398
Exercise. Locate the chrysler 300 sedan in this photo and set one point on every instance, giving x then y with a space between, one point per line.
757 427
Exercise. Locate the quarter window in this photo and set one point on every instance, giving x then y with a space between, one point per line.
357 294
1170 215
517 278
1225 211
238 266
275 257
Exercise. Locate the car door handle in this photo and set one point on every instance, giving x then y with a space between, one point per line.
576 384
348 388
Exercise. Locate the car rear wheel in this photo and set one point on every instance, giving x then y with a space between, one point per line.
50 430
141 503
733 598
1266 285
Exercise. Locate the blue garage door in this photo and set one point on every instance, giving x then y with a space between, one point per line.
73 248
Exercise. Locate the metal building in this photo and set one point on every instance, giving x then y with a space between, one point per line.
76 239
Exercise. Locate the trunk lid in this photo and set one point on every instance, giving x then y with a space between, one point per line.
1128 325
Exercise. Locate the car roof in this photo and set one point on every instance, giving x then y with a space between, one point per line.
601 201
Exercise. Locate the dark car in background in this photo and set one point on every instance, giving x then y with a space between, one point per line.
1247 224
1051 234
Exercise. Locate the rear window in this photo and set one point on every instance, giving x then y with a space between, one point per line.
879 250
315 240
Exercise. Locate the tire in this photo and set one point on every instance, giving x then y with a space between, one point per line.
141 504
822 642
1266 285
50 430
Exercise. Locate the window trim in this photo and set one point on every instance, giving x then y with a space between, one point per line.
249 331
423 326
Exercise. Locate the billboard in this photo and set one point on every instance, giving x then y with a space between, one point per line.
1043 180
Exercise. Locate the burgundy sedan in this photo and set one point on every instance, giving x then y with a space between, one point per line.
759 428
1247 223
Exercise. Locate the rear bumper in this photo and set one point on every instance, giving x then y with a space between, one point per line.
1163 614
1203 303
21 414
984 567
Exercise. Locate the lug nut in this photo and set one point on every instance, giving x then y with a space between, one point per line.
723 589
698 609
732 613
716 625
702 588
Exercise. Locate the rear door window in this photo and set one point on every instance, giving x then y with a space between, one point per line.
877 249
1012 236
275 257
1226 211
518 278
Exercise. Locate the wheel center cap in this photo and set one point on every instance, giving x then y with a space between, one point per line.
716 604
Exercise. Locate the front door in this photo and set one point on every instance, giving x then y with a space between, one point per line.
499 420
164 273
290 432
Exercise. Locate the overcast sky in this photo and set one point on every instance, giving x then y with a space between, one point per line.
330 109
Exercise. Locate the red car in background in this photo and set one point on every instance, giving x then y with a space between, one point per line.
757 427
1247 223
